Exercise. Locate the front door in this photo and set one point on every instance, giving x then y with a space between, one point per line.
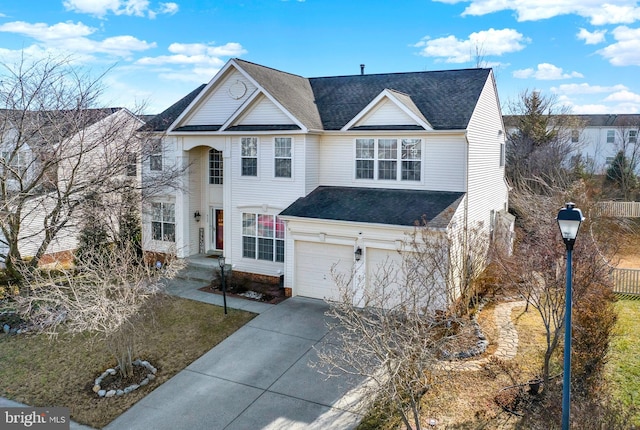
218 227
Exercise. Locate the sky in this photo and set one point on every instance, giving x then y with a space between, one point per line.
583 53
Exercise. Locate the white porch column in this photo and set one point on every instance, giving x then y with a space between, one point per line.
182 209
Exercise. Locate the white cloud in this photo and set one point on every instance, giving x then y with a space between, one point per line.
597 11
591 38
545 72
623 96
70 38
101 8
485 43
626 50
586 89
43 32
195 54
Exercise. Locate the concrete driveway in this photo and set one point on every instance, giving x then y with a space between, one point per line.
258 378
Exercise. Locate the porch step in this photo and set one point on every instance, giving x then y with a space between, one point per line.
196 273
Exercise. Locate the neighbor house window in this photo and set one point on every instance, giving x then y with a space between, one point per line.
575 136
132 164
282 157
262 237
19 162
389 159
633 136
611 136
155 157
215 167
249 156
163 221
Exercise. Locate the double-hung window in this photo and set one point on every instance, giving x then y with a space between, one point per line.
163 221
249 156
155 156
215 167
132 164
611 136
19 162
282 157
365 158
633 136
389 159
262 237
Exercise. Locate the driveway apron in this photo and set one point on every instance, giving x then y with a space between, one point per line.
258 378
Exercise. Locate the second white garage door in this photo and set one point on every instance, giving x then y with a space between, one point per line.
313 268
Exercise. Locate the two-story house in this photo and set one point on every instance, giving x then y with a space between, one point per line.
291 175
49 161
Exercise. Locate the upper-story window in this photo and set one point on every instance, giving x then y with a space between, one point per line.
249 156
502 155
611 136
575 136
633 136
215 167
155 155
132 164
18 164
282 157
389 159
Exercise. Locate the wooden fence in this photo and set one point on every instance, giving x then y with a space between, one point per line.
618 209
626 281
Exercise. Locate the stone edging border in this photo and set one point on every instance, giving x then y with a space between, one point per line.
112 371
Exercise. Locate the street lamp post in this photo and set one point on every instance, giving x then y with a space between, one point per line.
569 219
221 262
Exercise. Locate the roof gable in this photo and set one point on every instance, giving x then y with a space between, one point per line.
389 108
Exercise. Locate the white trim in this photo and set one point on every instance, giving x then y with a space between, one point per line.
386 93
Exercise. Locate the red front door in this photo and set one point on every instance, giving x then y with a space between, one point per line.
219 228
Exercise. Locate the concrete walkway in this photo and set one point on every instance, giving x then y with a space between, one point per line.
257 378
260 377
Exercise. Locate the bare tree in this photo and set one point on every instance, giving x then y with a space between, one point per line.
396 329
105 297
537 267
57 147
540 142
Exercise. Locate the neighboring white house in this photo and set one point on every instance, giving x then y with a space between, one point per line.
598 138
92 139
291 175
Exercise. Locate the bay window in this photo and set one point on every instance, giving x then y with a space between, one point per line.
262 237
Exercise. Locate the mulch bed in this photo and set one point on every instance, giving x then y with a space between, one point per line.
271 293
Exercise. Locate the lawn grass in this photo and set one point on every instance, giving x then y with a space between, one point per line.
38 371
623 370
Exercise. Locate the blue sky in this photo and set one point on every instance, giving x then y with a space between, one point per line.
586 53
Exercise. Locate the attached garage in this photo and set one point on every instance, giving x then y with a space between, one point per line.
313 264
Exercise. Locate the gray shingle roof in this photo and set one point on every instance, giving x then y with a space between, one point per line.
163 120
377 205
595 120
446 99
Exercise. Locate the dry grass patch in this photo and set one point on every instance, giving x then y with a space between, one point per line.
40 372
466 399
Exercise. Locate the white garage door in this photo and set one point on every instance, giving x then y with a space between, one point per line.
313 268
